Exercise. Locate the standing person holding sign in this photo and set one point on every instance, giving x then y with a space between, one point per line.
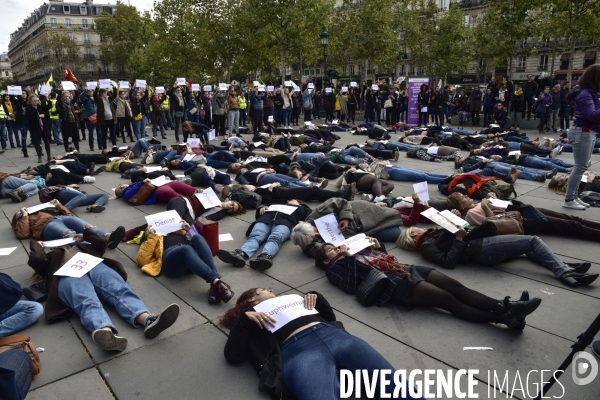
106 115
106 281
68 119
178 107
274 227
291 349
179 252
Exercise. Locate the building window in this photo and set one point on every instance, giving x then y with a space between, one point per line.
86 37
589 58
442 4
84 23
411 69
68 22
306 72
467 19
106 69
70 34
312 72
521 63
53 22
318 72
88 51
67 9
90 69
99 10
543 63
5 73
83 10
403 69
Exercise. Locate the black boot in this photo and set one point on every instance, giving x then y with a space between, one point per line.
516 311
24 151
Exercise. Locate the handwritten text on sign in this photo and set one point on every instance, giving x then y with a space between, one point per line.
194 142
328 229
284 309
79 265
422 190
164 222
208 198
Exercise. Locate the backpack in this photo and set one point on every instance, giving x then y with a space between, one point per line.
502 189
249 200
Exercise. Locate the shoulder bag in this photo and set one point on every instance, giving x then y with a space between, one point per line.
372 287
143 193
22 342
508 223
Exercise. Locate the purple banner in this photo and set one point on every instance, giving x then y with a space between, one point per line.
414 87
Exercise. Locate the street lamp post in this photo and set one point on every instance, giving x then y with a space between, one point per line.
324 41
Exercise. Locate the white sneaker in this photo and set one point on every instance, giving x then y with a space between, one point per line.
89 179
573 204
555 152
583 203
366 197
378 199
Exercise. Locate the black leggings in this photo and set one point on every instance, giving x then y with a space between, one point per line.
378 187
308 194
36 139
178 204
331 171
531 149
383 154
439 290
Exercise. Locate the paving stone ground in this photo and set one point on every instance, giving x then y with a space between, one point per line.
186 361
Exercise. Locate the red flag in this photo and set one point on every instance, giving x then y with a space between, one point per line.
69 76
189 83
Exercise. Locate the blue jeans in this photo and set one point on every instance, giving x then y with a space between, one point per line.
11 128
56 130
3 134
316 355
169 118
413 175
306 156
394 146
137 128
285 180
516 139
564 114
16 367
234 121
165 154
12 183
275 235
243 118
235 141
287 116
583 145
143 126
91 128
547 163
19 317
461 131
141 146
158 124
526 173
83 295
63 226
351 155
23 135
195 257
72 199
220 159
388 234
497 249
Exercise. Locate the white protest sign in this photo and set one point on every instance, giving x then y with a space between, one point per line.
31 210
164 222
344 89
433 150
181 81
584 178
256 144
188 157
160 181
258 170
500 203
114 158
152 169
45 90
14 90
284 309
328 229
140 83
91 85
270 119
57 242
160 89
307 123
422 190
335 122
212 135
123 84
255 83
79 265
424 109
67 85
225 237
328 90
261 88
194 142
7 250
208 198
60 167
123 148
374 87
289 83
105 84
270 88
289 210
311 85
455 219
356 243
515 153
196 87
353 84
223 86
207 88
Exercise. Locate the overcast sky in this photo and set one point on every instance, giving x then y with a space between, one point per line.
15 11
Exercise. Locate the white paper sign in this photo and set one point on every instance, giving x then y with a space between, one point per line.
284 309
152 169
104 84
424 109
60 167
335 122
289 83
344 89
258 170
114 158
223 86
196 87
56 243
356 243
79 265
433 150
67 85
123 148
374 87
328 229
181 81
270 119
124 84
289 210
6 251
140 83
225 237
261 88
255 83
353 84
207 88
160 181
45 90
311 85
256 144
194 142
188 157
212 135
208 198
164 222
455 219
500 203
584 178
160 89
270 88
15 90
422 190
91 85
328 90
515 153
307 123
31 210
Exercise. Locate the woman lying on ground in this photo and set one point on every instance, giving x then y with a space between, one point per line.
437 154
189 208
290 349
175 254
20 187
447 250
277 194
82 296
414 285
160 194
588 192
383 170
72 197
369 182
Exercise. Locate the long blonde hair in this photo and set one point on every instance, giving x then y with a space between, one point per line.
406 241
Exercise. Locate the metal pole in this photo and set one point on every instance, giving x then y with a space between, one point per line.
325 59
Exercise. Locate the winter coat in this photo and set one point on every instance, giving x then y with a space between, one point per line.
587 109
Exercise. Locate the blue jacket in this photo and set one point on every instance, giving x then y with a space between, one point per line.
488 100
88 104
555 100
132 189
587 109
10 293
257 101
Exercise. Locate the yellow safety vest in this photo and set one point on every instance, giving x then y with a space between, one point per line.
242 102
53 113
3 115
165 104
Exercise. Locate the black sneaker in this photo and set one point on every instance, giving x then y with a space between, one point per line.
516 311
237 257
115 237
92 168
108 341
99 170
263 262
155 324
14 196
551 173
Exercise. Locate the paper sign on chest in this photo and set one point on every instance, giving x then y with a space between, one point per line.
329 230
284 309
208 198
164 222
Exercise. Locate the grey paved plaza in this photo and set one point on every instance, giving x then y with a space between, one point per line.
186 361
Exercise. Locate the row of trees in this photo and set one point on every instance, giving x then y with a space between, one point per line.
209 40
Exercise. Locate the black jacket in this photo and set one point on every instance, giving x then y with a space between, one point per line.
10 293
33 117
441 247
279 218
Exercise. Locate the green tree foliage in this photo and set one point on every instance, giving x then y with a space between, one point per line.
56 53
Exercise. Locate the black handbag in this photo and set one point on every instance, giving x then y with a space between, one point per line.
372 287
36 292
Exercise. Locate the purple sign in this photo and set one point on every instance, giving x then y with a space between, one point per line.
414 87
